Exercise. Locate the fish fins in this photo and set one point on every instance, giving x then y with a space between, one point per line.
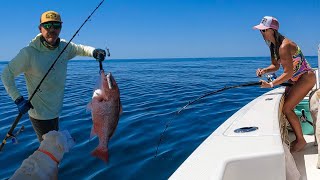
120 111
93 133
101 153
89 107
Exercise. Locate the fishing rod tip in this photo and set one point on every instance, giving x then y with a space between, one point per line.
178 112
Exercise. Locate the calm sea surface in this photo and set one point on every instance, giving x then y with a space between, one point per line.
151 92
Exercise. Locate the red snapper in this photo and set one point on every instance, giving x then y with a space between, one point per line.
105 109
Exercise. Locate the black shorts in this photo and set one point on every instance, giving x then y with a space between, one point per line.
42 127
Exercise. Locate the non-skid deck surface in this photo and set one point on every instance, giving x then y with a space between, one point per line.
306 160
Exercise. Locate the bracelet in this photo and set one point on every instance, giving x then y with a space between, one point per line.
271 84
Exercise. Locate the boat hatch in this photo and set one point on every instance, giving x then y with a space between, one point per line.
246 129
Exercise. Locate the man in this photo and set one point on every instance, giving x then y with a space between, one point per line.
34 61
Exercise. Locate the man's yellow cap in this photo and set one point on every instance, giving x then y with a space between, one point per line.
50 16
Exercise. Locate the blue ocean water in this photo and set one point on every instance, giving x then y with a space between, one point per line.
152 90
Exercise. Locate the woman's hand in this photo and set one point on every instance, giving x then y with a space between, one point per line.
260 72
265 84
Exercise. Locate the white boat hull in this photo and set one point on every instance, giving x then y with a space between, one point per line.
249 156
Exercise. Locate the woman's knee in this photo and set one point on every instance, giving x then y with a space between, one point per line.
287 109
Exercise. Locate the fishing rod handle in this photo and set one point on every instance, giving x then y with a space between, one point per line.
9 134
286 84
16 121
3 143
282 84
251 84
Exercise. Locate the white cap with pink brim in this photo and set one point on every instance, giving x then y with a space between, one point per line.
267 22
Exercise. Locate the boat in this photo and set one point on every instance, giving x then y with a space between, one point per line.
253 144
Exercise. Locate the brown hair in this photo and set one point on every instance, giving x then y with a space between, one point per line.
274 48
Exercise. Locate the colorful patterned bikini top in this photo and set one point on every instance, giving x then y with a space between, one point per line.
300 65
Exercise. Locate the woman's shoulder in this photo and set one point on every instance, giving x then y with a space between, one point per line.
288 45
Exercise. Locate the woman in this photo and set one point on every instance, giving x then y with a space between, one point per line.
296 70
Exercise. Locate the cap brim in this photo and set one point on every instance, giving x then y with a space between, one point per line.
260 27
50 21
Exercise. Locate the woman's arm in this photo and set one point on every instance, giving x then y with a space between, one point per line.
286 61
274 66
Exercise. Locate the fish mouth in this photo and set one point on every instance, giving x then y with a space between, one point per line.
109 80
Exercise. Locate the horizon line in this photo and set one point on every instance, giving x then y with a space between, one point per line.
154 58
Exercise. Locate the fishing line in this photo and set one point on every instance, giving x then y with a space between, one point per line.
197 99
16 121
209 94
223 89
161 137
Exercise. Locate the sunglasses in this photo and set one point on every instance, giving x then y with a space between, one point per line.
263 30
48 25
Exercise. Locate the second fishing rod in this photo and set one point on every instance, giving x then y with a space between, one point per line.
270 78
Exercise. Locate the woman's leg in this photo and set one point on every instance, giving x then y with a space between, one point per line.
287 90
297 92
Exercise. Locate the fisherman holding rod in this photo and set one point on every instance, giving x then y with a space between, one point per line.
43 63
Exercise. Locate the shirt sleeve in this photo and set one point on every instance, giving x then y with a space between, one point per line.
15 67
80 50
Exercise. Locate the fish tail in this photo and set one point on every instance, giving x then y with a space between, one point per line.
101 153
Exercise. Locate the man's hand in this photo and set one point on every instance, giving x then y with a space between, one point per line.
99 54
23 105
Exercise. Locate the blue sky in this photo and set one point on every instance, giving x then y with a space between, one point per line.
165 28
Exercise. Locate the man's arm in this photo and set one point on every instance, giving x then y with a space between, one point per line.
80 50
15 67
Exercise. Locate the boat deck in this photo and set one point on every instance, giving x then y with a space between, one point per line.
306 160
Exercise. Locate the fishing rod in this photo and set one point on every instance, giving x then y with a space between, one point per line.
270 78
223 89
191 102
16 121
208 94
